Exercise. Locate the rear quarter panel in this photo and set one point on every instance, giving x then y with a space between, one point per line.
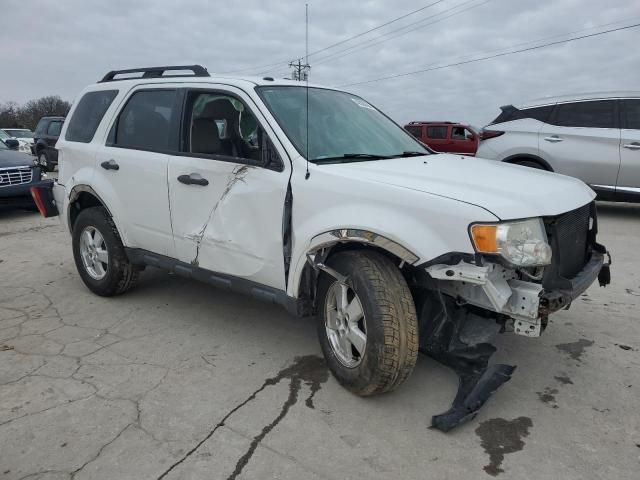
520 137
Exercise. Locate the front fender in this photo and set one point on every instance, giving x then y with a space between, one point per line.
415 226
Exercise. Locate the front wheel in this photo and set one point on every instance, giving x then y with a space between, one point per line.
99 254
368 328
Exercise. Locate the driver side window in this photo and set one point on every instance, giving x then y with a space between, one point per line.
221 126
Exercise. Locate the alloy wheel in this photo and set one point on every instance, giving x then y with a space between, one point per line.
345 324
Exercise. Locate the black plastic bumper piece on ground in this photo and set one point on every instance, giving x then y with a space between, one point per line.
474 389
460 339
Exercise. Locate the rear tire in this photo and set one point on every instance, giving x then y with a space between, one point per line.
99 254
390 323
530 164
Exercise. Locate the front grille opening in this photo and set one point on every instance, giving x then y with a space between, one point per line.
570 240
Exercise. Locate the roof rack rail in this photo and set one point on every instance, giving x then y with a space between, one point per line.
156 72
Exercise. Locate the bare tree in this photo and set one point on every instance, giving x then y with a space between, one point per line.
9 114
28 115
34 110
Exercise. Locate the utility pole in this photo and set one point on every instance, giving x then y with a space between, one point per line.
301 71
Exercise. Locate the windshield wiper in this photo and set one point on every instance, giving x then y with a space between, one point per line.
347 156
410 154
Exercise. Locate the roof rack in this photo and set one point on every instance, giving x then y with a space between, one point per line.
156 72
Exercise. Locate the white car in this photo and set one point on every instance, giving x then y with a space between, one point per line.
352 219
24 137
593 137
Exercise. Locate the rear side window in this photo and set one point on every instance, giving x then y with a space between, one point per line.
596 114
54 128
144 122
632 114
88 115
437 132
537 113
509 113
415 131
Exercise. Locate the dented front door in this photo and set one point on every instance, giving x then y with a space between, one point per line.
227 215
233 224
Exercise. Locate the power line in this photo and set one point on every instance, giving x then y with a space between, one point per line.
381 39
340 42
389 77
542 39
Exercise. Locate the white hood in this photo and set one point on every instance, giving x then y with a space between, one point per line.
507 191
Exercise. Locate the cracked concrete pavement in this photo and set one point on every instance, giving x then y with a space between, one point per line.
178 380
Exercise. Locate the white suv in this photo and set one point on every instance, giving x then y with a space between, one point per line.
352 219
594 137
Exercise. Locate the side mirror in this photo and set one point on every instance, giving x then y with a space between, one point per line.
12 143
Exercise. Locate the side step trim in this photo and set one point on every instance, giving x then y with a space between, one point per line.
294 306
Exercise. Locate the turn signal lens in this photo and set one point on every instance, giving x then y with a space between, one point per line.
484 238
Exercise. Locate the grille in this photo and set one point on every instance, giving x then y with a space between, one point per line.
569 236
15 176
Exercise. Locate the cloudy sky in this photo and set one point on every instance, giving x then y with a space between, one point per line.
58 47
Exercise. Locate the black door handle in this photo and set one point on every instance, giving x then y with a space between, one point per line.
193 179
110 165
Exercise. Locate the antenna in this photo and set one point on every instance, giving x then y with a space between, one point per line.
306 78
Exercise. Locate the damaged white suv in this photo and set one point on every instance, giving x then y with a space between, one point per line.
394 248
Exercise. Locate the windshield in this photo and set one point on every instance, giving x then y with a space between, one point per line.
3 146
19 133
4 135
341 125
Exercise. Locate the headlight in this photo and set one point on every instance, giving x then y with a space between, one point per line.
523 243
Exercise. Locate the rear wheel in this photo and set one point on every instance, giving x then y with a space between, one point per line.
99 254
530 164
368 327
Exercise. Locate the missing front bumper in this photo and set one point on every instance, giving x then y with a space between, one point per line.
498 289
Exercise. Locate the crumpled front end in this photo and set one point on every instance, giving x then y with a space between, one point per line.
468 300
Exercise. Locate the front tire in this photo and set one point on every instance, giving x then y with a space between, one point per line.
368 329
99 254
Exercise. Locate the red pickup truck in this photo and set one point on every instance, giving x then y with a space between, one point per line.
446 137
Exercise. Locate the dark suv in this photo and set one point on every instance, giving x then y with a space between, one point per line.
17 175
44 142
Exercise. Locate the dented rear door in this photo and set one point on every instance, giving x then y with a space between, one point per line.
226 205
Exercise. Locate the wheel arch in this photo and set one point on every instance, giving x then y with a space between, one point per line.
530 157
327 244
80 198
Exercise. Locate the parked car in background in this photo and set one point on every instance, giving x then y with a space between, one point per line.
24 137
392 247
45 138
12 143
17 174
593 137
445 137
